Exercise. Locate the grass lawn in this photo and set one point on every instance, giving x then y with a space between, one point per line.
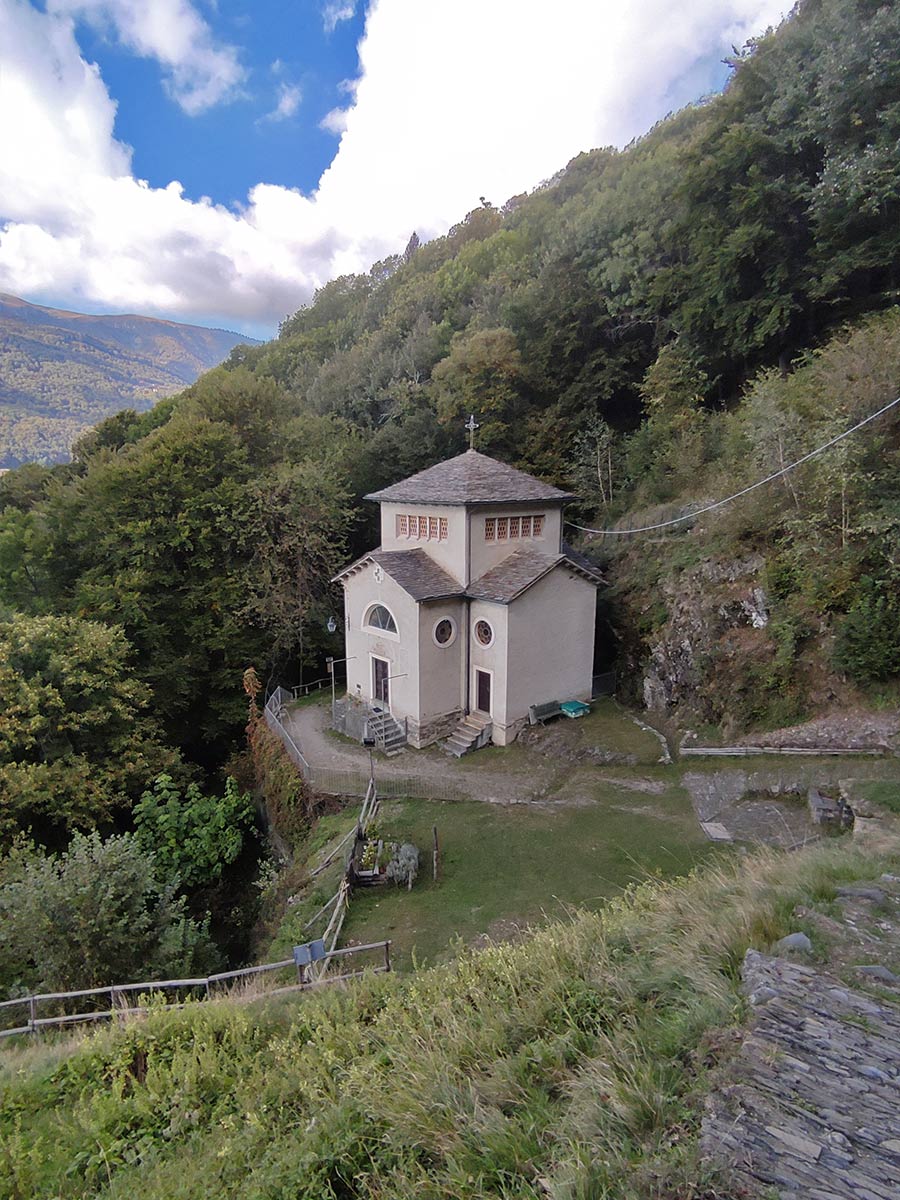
884 792
508 867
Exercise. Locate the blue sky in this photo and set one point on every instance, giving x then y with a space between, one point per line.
215 161
223 151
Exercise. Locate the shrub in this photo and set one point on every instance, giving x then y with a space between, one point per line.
868 641
192 836
95 915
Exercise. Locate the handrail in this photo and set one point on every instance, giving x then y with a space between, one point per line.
112 990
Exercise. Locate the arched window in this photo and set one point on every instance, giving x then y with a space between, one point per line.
378 617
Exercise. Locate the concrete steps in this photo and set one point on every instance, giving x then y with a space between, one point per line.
468 735
387 732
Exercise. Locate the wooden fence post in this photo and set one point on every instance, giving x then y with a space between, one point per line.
387 956
435 852
32 1014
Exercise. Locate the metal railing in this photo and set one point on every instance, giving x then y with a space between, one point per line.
347 781
118 994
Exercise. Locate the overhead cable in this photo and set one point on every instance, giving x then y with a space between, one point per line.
697 512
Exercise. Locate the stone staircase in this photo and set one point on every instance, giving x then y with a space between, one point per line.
389 734
471 733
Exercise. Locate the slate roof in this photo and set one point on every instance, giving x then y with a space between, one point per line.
421 577
516 573
415 571
471 478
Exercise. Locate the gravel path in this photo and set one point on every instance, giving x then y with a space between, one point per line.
517 782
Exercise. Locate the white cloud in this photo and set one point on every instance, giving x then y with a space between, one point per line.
200 72
507 94
335 121
336 11
289 97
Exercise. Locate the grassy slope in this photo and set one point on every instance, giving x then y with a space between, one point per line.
568 1066
505 867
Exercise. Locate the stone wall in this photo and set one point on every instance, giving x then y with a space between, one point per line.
434 729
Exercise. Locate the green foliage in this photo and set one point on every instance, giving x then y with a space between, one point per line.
96 914
868 642
76 742
192 836
574 1064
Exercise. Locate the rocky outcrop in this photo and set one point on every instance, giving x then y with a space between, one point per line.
811 1107
706 605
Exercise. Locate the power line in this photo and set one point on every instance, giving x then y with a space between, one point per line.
743 492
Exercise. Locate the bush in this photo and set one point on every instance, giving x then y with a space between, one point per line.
95 915
868 642
191 835
404 865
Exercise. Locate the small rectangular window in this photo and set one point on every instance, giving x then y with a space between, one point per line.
433 528
513 527
502 528
413 526
444 529
538 524
526 527
402 525
490 529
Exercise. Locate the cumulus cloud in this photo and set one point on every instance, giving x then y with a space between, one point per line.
335 121
335 12
200 72
289 97
507 94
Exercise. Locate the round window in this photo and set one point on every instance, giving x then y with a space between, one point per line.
484 633
444 632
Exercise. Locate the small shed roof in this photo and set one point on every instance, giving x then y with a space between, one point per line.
471 478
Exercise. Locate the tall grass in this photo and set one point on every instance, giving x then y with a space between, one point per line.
570 1066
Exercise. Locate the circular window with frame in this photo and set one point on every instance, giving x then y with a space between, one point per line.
484 633
444 632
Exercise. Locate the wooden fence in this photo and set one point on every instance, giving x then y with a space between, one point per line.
220 985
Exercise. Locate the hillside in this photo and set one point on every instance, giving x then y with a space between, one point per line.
575 1064
649 329
61 372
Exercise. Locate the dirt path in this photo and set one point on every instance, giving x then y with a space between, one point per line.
522 778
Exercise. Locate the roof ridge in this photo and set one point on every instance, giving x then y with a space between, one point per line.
471 478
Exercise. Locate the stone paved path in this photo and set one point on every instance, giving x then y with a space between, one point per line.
812 1108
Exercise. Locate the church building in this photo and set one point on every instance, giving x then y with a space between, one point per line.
473 608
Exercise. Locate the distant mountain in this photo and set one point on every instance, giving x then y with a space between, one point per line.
61 372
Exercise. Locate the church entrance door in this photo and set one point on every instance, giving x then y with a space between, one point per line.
483 691
381 669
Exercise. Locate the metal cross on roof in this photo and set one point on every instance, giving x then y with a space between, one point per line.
471 425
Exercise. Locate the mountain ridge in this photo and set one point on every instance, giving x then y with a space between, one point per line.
62 371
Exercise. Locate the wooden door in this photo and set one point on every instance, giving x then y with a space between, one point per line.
380 673
483 691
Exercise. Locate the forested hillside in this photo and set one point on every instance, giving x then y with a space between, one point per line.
651 328
61 372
